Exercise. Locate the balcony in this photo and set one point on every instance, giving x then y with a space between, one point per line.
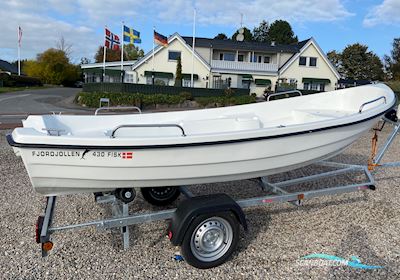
242 67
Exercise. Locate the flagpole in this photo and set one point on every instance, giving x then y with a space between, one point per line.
122 52
104 55
19 51
152 60
154 30
193 46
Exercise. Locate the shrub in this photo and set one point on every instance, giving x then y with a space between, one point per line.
19 81
187 95
141 100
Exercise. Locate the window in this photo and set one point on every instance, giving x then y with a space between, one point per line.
173 55
267 59
240 57
303 61
313 61
221 56
246 83
321 87
314 86
306 86
129 78
229 56
186 83
259 59
157 81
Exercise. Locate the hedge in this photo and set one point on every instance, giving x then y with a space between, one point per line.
146 100
158 89
18 81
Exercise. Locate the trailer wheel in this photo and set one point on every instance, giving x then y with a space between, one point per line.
210 239
126 195
160 196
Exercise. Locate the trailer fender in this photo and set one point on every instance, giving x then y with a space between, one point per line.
191 208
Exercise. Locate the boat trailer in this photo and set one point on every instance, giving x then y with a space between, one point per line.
200 223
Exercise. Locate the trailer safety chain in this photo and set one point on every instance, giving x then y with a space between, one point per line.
374 150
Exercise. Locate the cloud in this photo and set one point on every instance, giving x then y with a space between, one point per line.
228 12
386 13
81 21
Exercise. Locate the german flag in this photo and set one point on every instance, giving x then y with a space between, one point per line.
160 39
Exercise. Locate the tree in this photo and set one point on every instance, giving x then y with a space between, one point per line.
132 52
360 64
111 55
261 33
392 62
336 60
248 36
221 36
178 74
281 32
53 67
64 46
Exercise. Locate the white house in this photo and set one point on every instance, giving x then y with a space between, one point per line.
226 63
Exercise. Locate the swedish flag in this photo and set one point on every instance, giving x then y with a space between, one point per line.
131 36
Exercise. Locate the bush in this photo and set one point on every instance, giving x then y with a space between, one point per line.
186 95
132 99
19 81
394 85
142 100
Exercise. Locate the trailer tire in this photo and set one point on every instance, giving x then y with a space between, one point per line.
160 196
126 195
210 239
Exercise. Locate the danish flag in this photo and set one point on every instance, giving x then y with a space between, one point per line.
127 155
111 40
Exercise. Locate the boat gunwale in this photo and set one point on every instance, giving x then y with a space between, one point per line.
12 143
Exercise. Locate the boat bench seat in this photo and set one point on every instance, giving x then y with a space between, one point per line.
222 124
312 115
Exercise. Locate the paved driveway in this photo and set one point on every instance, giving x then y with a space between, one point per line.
15 106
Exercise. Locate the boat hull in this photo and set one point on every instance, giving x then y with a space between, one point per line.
66 171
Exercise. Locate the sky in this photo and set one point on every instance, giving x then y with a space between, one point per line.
333 23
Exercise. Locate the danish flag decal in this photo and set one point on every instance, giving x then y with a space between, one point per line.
127 155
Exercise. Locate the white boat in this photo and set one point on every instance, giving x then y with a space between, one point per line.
66 154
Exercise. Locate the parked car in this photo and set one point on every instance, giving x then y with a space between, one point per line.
78 84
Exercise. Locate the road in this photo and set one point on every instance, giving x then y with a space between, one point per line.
16 106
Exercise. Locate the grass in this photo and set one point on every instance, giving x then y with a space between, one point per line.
12 89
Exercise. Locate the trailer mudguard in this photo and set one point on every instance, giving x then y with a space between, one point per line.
191 208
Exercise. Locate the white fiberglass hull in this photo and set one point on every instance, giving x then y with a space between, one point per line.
55 172
222 144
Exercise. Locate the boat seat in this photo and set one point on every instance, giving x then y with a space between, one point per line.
222 124
308 115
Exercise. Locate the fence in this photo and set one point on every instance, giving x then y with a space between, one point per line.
157 89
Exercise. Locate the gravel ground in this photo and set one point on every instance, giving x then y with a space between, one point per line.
363 224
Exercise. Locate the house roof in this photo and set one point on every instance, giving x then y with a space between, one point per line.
158 48
8 67
245 46
304 45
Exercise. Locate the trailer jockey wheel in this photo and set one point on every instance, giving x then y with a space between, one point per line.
160 196
210 239
126 195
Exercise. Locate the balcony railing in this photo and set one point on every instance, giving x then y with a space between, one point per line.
243 66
